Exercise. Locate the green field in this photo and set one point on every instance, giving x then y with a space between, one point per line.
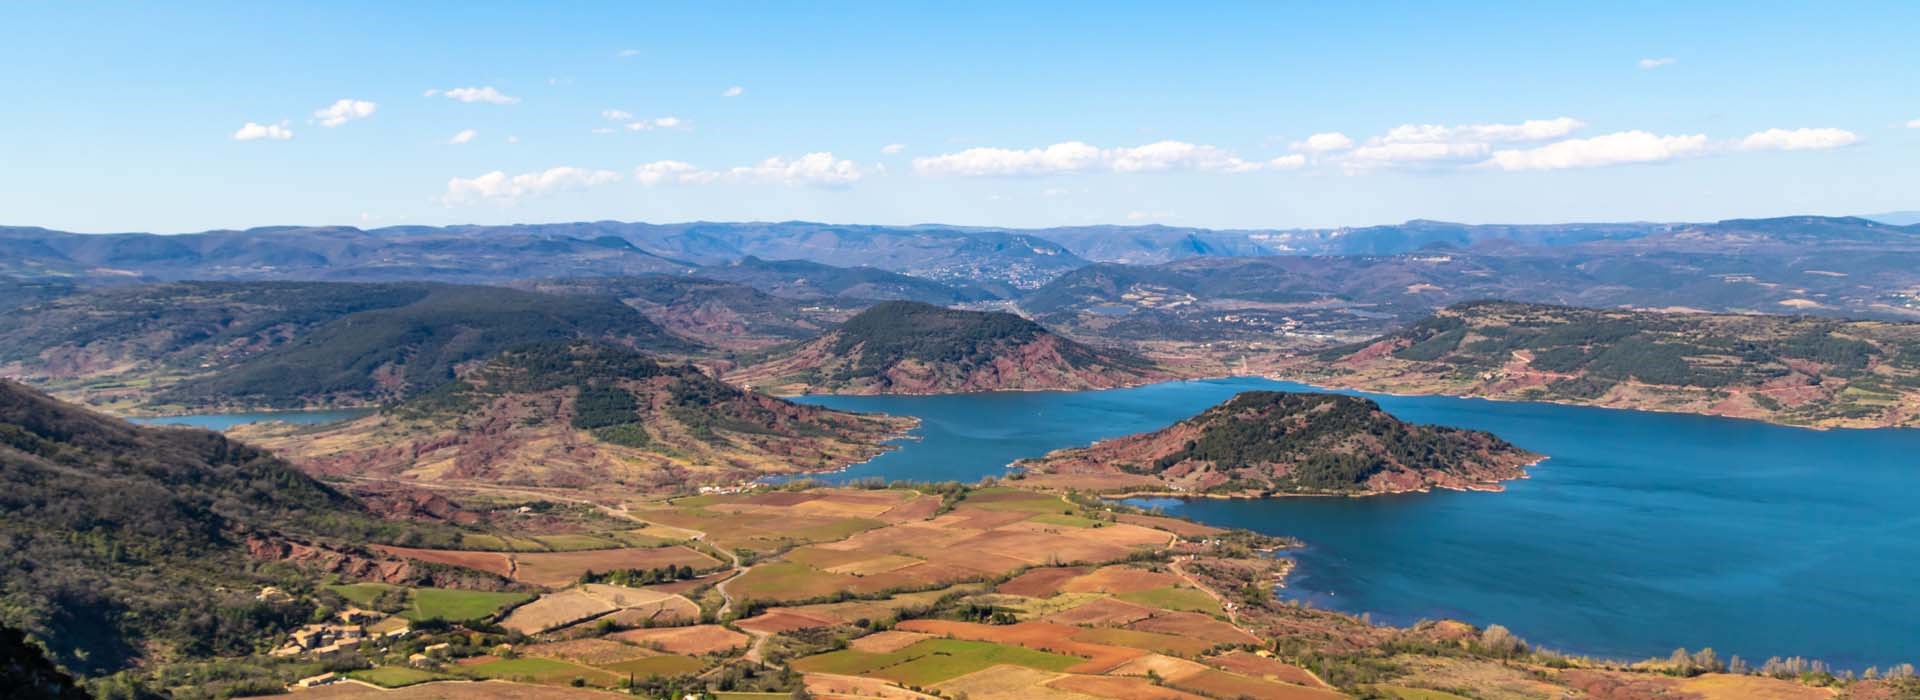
932 661
394 676
1405 693
541 671
658 666
361 594
457 606
575 543
1067 520
787 581
1175 598
1002 498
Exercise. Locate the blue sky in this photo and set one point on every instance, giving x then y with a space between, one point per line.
136 116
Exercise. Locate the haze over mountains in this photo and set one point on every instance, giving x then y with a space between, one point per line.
1022 258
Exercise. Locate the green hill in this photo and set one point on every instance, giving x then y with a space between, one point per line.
1273 442
909 347
125 543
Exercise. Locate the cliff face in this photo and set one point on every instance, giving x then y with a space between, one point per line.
1268 442
587 415
912 348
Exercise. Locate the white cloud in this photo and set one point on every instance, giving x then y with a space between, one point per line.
255 132
1287 162
1914 124
513 139
627 53
893 149
1080 157
474 94
734 91
1529 130
1385 155
1324 143
499 187
814 169
1798 139
1609 149
819 169
670 171
343 111
464 136
615 115
656 123
1652 63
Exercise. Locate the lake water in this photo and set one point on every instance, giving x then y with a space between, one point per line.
1644 532
223 421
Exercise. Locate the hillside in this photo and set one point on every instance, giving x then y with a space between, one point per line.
586 415
1303 299
911 348
712 312
800 279
1798 370
123 543
289 344
1271 443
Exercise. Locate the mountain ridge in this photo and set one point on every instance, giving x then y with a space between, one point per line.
909 347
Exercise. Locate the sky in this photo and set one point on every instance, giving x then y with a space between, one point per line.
173 117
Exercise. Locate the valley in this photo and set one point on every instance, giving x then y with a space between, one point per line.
759 477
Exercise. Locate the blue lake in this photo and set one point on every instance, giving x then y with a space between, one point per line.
1644 532
223 421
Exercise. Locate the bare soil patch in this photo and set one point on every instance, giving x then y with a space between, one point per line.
692 641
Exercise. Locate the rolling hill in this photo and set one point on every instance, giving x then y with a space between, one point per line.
911 348
801 279
126 543
1799 370
583 414
290 344
1263 443
725 315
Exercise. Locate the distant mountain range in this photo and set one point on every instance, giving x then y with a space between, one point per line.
995 258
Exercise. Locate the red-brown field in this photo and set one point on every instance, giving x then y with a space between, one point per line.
1119 579
1040 583
782 621
1195 625
890 640
1221 684
1251 664
1103 612
1120 688
693 641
